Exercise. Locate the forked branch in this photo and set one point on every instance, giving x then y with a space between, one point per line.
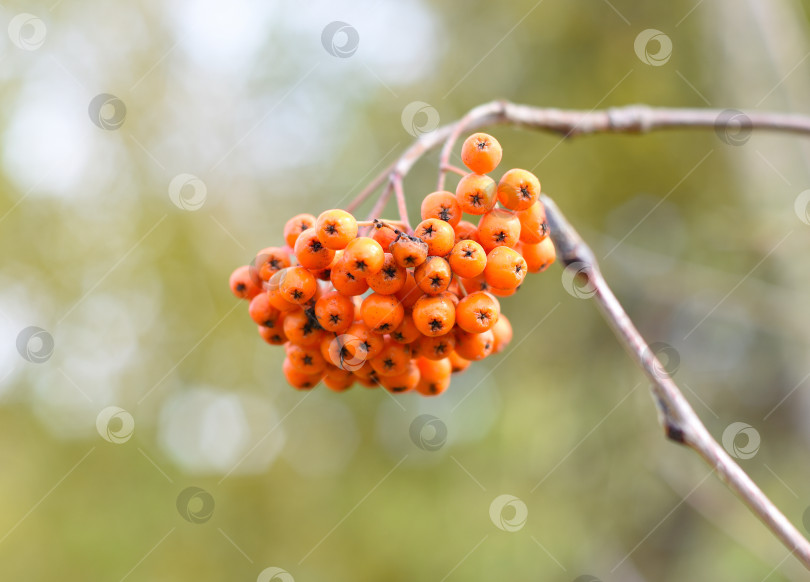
680 422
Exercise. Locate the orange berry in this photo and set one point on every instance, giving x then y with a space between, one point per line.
434 316
518 189
406 332
242 284
466 231
298 379
363 256
474 284
436 347
497 228
382 313
402 382
442 205
481 153
295 226
361 342
345 282
390 278
408 250
297 285
438 234
502 332
434 376
393 360
533 226
336 228
474 346
275 335
540 256
338 380
307 360
410 292
476 194
477 312
458 363
334 312
468 259
385 236
262 311
505 269
310 252
502 292
269 261
301 330
433 276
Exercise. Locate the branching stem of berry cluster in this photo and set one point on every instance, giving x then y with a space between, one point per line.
680 422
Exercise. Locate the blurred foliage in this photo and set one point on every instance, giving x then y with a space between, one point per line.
244 96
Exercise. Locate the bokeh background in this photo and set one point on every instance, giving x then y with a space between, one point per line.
146 432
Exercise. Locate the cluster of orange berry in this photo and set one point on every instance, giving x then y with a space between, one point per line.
397 309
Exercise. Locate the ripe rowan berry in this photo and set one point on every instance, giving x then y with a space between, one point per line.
468 259
518 189
502 292
476 194
336 379
434 316
435 347
474 284
434 376
481 153
363 256
505 269
310 252
345 282
336 228
262 311
382 313
433 276
410 292
539 257
302 329
458 364
361 343
277 300
390 278
438 234
307 360
408 250
477 312
474 346
242 284
385 236
268 261
442 205
297 285
466 231
298 379
334 311
533 226
295 226
502 332
392 360
497 228
402 382
406 332
275 335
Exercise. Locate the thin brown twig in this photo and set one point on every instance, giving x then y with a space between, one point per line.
402 206
676 415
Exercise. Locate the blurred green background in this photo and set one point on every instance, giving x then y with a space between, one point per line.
121 217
